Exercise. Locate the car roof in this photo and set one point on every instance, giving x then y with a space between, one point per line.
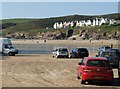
80 48
95 58
60 47
115 49
109 50
105 46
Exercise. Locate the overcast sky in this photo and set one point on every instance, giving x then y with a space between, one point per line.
56 9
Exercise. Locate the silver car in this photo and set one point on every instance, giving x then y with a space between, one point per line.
103 48
60 52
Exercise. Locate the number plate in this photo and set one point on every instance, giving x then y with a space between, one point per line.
98 77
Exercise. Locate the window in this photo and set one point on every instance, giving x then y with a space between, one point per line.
99 63
82 50
65 50
83 61
109 54
74 50
107 48
54 50
6 46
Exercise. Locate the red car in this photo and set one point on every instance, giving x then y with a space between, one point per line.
94 69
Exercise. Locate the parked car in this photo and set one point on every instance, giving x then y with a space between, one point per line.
7 48
60 52
103 48
119 69
93 69
79 53
111 56
117 51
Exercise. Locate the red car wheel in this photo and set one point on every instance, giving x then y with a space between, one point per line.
81 81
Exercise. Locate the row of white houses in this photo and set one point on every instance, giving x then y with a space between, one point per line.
81 23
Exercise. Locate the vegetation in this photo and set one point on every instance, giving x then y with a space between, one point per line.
46 24
22 20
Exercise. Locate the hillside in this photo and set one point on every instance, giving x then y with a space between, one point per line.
48 22
34 26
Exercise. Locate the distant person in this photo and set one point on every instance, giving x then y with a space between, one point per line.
90 40
44 41
111 45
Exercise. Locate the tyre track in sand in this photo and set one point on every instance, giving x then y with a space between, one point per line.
18 75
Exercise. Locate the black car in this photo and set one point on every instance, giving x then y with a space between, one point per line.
79 53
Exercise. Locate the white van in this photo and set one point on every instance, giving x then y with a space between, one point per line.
6 47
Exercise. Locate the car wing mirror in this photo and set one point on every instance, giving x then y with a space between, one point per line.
79 63
96 55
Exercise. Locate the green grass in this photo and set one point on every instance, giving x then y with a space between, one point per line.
101 29
38 25
17 20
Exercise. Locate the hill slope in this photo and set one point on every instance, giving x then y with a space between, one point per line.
28 25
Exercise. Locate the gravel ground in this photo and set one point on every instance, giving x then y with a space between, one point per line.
41 70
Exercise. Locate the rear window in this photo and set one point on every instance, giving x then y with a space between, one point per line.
63 50
109 54
82 50
107 48
98 63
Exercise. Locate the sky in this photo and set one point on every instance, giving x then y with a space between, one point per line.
55 9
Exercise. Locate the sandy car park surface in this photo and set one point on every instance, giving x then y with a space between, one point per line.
41 70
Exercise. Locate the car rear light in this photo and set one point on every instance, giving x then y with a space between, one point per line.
86 70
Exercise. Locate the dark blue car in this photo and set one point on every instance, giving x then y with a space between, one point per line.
111 56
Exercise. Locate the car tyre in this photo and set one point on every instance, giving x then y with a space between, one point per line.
57 56
118 74
67 56
72 56
78 77
11 54
109 82
53 56
81 80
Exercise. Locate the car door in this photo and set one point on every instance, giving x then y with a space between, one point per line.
6 49
81 66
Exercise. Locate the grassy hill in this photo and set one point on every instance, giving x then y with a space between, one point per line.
39 25
17 20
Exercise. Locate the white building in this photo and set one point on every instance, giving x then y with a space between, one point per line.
81 23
